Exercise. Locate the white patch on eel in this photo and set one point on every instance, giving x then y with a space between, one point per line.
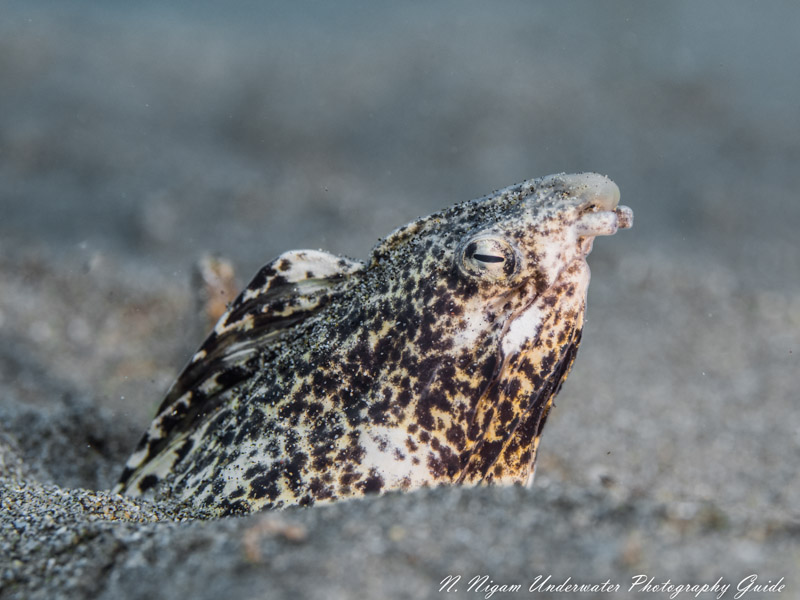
522 329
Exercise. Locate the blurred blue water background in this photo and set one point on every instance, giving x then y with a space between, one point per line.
157 131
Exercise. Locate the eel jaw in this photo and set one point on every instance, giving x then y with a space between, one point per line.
601 222
600 213
604 222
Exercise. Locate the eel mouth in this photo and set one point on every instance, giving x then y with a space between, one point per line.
601 213
601 222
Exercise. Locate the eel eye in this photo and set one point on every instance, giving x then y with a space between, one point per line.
489 257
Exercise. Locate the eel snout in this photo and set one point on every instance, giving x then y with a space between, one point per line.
599 200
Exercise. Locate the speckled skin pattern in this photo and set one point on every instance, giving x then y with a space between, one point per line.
434 363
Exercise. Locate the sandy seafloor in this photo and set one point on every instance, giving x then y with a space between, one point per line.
135 139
